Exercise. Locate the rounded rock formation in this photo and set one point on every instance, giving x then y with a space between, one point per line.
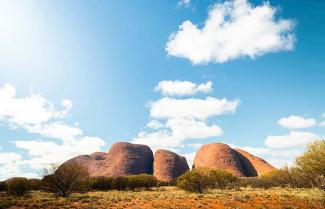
220 156
125 159
254 166
122 159
93 163
169 165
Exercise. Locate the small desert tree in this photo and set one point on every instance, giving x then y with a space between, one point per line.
18 186
312 162
65 178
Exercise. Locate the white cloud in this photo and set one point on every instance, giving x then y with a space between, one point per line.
43 153
296 122
173 121
192 108
192 129
57 130
233 29
9 157
181 88
37 115
322 123
160 139
9 165
293 139
33 109
155 124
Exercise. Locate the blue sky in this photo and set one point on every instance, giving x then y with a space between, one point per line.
87 74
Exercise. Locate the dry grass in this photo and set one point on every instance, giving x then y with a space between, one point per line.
172 198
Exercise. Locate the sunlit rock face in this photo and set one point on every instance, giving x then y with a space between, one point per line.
169 165
239 162
122 159
218 155
253 166
126 158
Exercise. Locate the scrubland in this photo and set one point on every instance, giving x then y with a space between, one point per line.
172 197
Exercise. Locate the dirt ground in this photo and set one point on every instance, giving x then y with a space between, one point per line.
173 198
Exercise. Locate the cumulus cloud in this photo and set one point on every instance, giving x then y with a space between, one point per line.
322 123
10 165
297 122
174 121
192 108
37 115
43 153
181 88
30 110
233 29
293 139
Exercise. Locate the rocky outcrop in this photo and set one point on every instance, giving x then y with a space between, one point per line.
237 161
93 163
125 159
254 166
169 165
220 156
122 159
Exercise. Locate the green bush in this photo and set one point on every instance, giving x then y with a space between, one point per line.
220 179
199 180
102 183
120 183
142 181
196 180
255 182
18 186
3 186
311 163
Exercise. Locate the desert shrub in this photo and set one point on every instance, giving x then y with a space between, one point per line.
3 186
102 183
120 183
142 181
18 186
66 178
199 180
196 180
312 162
254 182
35 184
166 183
220 179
